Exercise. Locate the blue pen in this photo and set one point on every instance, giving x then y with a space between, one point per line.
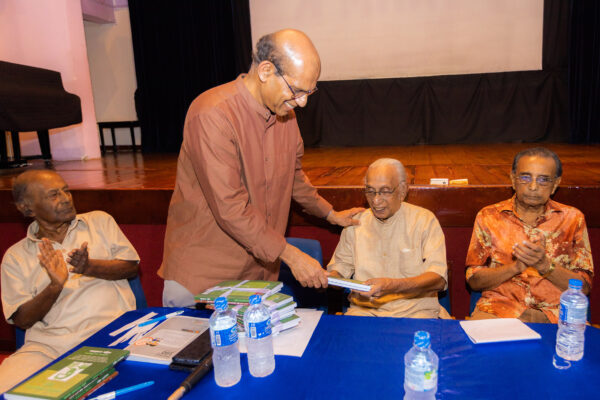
118 392
153 320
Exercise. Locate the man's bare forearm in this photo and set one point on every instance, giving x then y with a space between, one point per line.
424 283
560 278
112 270
487 278
37 308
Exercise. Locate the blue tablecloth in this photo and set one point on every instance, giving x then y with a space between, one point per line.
363 357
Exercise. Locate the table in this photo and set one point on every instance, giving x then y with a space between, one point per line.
363 357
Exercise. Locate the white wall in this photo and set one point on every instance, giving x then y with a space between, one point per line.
49 34
400 38
112 69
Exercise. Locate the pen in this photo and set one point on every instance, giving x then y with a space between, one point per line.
118 392
153 320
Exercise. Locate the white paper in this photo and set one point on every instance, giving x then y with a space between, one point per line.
498 330
293 342
134 323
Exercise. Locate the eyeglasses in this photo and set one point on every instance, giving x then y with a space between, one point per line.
541 180
296 94
385 193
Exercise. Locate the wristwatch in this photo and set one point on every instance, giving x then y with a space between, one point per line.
550 270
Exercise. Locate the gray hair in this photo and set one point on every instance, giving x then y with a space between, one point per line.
392 162
267 50
539 152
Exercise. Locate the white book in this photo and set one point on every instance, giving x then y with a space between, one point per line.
349 284
160 344
498 330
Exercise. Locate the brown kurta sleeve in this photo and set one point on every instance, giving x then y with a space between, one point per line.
303 192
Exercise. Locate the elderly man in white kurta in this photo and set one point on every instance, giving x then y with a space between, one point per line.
398 249
66 280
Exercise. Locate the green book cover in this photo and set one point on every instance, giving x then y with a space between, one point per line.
238 292
107 373
65 377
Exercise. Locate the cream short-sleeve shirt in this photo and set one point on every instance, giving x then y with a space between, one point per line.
407 244
86 304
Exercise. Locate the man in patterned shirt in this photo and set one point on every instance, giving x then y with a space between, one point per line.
525 249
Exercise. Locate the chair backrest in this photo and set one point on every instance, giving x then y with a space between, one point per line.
311 247
444 296
475 296
304 297
138 292
140 302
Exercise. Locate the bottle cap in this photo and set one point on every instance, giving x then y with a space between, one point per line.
221 304
255 299
422 339
575 283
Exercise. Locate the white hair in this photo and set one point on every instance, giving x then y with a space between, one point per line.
392 162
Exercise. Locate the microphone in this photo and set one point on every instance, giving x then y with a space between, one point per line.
189 382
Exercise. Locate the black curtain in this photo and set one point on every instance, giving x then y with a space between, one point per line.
182 48
525 106
584 71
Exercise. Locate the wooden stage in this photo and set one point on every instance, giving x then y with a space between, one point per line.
338 173
486 165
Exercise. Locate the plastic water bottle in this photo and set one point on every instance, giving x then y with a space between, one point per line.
420 369
571 324
224 340
259 341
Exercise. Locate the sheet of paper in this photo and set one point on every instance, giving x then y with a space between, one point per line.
498 330
132 324
293 342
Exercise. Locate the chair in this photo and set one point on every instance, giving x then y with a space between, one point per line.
140 302
444 296
475 296
304 297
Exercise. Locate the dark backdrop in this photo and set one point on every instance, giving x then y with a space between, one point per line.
182 48
477 108
584 71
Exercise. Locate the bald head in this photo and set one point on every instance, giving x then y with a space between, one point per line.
291 51
27 179
43 195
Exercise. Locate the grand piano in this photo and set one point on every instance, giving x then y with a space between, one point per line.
32 99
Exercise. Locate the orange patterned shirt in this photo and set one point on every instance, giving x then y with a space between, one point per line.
498 227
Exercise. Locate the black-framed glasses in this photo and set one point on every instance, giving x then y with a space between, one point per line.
541 180
385 192
296 94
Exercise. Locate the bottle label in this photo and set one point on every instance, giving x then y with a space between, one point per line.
224 337
572 315
259 330
420 381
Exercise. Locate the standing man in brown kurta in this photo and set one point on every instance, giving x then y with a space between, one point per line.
238 169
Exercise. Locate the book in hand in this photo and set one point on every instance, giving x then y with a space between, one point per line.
71 377
349 284
164 341
239 292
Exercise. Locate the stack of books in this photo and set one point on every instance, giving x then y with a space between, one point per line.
281 306
74 377
239 292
